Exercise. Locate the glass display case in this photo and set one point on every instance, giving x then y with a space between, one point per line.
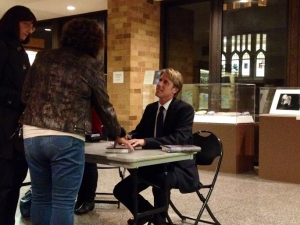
279 101
221 102
214 103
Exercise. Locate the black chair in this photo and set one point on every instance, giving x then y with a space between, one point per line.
211 149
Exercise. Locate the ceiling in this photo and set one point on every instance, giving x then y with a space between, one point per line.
49 9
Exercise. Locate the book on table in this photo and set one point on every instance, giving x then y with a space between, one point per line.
180 148
117 149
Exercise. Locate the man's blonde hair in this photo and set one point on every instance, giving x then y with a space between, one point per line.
175 77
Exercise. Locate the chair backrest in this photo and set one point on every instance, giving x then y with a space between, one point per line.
211 147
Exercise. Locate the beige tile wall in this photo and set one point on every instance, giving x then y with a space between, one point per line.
133 43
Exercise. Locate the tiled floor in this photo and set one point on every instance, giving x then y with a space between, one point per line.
242 199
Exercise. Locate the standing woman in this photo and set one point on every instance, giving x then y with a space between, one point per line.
59 90
16 26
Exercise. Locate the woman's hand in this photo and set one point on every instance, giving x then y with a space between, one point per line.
123 141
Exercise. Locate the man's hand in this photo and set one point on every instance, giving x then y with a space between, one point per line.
137 142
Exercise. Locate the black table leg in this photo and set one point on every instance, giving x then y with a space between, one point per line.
135 196
167 195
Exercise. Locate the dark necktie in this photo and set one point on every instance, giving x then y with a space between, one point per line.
160 122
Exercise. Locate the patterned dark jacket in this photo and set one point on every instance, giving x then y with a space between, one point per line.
14 64
59 90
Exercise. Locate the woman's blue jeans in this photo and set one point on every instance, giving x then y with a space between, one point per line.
56 165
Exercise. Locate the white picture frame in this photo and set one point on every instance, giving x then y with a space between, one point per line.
286 101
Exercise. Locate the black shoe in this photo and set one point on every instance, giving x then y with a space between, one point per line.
85 208
141 221
78 204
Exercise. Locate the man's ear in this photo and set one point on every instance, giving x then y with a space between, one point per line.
175 90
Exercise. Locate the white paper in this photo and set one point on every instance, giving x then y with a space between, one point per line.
118 77
149 76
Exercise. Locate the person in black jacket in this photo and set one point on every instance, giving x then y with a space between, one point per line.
16 26
177 129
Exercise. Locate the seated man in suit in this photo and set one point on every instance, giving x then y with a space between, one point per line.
177 129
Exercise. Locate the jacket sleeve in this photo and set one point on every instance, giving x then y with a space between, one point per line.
103 107
145 128
10 94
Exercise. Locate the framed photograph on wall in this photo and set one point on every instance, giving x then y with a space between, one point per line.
286 101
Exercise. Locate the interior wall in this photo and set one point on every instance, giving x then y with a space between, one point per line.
133 46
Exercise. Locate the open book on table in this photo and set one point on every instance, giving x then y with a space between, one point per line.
180 148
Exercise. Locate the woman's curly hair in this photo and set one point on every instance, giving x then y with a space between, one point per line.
83 34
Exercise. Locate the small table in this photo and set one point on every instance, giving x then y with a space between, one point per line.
96 153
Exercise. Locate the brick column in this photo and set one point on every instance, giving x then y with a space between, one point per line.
133 43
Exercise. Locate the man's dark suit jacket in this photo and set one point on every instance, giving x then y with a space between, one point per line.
177 130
